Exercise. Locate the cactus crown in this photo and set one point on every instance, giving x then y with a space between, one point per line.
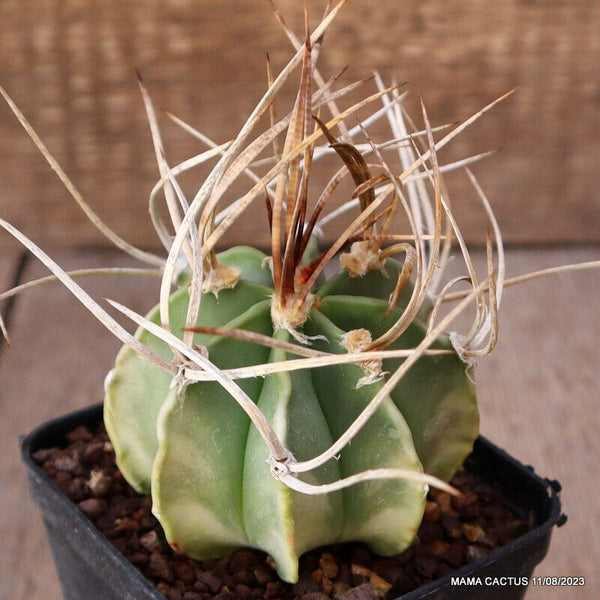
264 404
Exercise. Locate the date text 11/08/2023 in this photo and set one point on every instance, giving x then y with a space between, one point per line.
516 581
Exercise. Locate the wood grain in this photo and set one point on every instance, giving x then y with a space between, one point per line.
57 362
12 484
538 396
70 65
540 399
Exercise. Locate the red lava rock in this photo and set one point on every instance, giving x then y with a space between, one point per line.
41 456
325 584
362 592
429 532
433 512
191 595
173 594
100 483
438 547
345 573
449 537
243 591
494 512
159 567
466 498
470 512
444 500
473 533
139 558
329 565
127 524
389 569
212 582
306 585
162 587
93 453
243 559
68 462
452 526
77 489
199 586
442 570
263 575
455 554
245 577
426 565
339 588
92 507
185 572
48 466
474 552
79 434
274 589
63 480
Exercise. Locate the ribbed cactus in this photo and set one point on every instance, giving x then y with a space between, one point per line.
284 457
275 400
207 467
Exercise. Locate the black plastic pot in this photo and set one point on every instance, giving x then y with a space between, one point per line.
90 567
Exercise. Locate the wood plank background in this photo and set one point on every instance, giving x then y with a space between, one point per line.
538 397
70 65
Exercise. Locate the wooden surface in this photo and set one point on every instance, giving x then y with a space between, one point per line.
70 65
539 398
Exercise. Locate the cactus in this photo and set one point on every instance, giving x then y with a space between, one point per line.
207 468
279 401
195 449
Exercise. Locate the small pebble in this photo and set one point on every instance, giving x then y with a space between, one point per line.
150 541
432 512
93 453
159 567
474 552
473 533
68 463
211 581
328 565
263 575
362 592
185 572
191 595
444 500
79 434
452 526
454 531
92 507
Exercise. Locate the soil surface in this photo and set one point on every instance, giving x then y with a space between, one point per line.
454 532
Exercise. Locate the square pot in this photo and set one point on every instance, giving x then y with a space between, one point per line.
89 566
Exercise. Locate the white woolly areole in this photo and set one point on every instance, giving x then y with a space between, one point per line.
357 340
220 278
293 314
361 259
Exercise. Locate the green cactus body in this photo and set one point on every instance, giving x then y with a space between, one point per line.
206 465
135 389
436 397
